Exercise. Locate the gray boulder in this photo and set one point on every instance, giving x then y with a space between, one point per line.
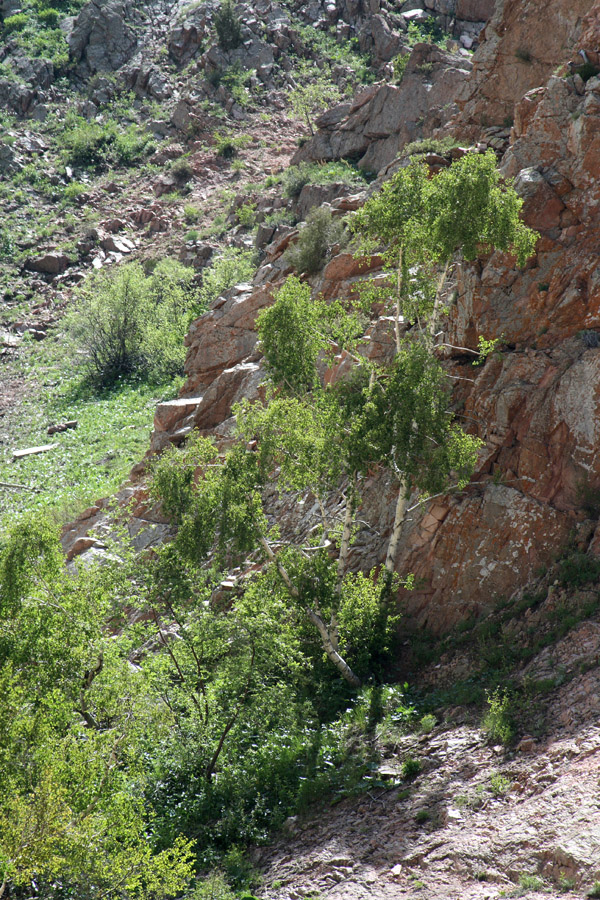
102 36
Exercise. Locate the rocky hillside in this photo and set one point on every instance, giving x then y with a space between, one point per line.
506 561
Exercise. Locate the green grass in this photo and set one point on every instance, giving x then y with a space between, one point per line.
86 463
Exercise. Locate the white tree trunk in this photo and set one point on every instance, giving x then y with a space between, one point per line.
401 504
340 664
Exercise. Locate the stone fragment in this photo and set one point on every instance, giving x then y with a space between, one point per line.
49 263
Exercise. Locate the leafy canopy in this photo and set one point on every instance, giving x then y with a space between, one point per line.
465 207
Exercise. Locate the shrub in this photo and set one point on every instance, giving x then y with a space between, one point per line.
49 17
530 883
128 322
400 63
191 214
499 784
296 177
498 721
429 145
182 169
578 569
228 26
228 147
192 236
411 767
73 192
98 145
233 267
427 724
246 215
15 23
320 233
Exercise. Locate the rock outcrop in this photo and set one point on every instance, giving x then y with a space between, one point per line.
385 117
521 46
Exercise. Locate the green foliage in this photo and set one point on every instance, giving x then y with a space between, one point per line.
319 235
530 883
232 267
182 169
578 569
368 624
429 145
98 146
291 337
86 463
399 64
228 146
128 322
313 96
237 82
422 214
411 768
15 23
594 891
71 811
246 215
416 436
427 32
228 26
486 347
497 723
191 214
427 724
295 177
499 784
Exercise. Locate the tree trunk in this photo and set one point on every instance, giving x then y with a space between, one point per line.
436 303
340 664
401 503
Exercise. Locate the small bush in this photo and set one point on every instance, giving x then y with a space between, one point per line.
49 17
427 724
497 723
233 267
212 887
73 191
316 239
129 323
578 569
246 215
228 147
296 177
228 26
15 23
429 145
191 214
530 883
499 784
192 236
99 146
411 767
400 63
182 169
594 891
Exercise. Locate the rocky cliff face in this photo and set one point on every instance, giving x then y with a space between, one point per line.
536 405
